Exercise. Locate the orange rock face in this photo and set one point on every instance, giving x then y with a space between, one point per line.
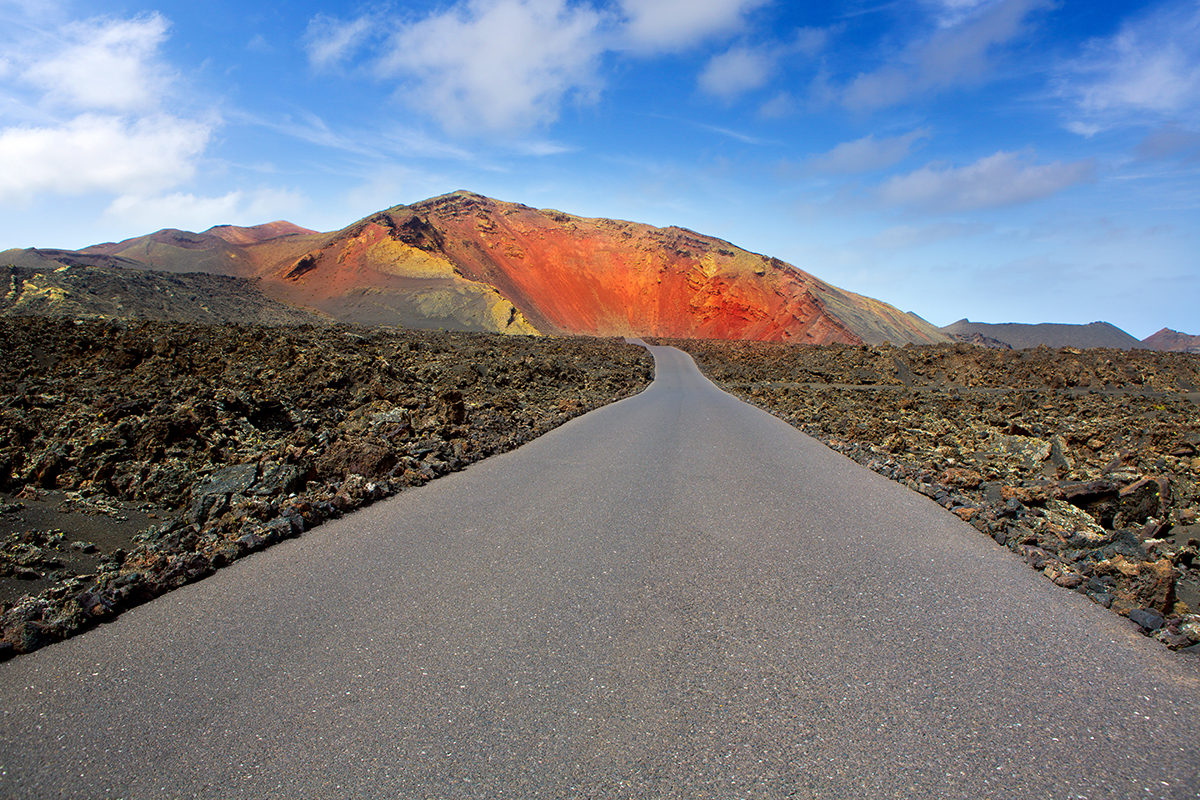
464 261
570 274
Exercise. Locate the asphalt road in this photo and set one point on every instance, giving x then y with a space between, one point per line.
674 596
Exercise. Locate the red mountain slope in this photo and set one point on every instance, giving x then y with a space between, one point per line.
1167 339
568 274
463 261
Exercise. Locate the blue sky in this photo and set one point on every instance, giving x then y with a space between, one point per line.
1002 160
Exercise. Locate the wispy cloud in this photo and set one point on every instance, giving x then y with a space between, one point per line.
1169 141
372 143
961 51
1150 66
540 148
1003 179
744 138
866 154
900 237
329 41
191 212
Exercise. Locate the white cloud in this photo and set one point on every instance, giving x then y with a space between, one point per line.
497 64
666 25
508 65
539 148
781 105
1152 65
106 65
1003 179
99 153
1084 129
89 112
962 53
190 212
329 41
743 68
736 71
866 154
951 12
23 12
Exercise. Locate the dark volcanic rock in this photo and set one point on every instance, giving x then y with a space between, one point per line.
1082 462
244 436
100 288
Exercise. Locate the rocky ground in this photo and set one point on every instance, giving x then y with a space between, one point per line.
136 457
1083 463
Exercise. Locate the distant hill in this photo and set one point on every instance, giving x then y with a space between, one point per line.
1173 341
100 292
1020 336
462 261
220 250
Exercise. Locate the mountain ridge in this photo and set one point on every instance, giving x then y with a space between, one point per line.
463 261
1172 341
1019 335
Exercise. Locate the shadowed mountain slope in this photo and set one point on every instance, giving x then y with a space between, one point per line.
101 292
1019 335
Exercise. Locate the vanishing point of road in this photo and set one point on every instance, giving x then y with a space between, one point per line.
675 596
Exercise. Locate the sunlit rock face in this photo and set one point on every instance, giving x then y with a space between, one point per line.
569 274
467 262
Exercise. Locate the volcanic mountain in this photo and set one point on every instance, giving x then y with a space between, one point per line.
1167 339
1018 335
468 262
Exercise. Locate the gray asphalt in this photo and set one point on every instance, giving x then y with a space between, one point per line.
673 596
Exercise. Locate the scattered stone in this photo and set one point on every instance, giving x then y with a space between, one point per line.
1086 459
240 436
1148 618
231 480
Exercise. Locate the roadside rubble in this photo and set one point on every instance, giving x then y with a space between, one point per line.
1086 464
183 447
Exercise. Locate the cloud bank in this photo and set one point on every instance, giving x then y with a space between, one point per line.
93 98
483 66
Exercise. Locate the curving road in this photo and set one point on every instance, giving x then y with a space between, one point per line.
674 596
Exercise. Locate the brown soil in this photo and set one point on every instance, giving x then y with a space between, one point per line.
1085 463
137 457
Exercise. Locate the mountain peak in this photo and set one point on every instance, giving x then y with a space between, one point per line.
466 261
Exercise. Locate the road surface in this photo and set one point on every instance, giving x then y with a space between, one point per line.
677 595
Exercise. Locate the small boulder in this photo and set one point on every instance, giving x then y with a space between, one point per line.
1148 618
